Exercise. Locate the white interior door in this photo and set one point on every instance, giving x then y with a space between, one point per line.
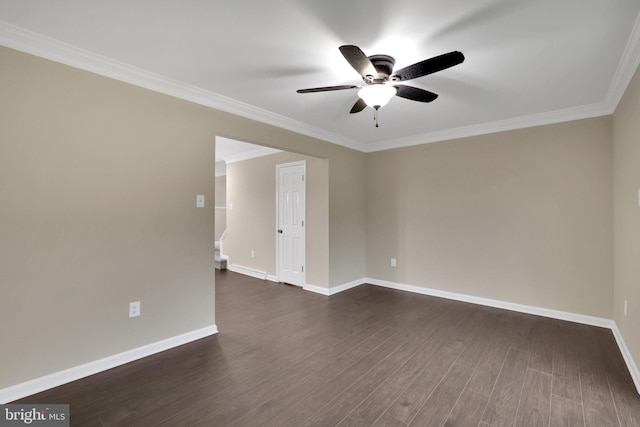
290 225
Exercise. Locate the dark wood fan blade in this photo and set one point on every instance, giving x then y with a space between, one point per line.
428 66
358 60
327 88
358 106
415 94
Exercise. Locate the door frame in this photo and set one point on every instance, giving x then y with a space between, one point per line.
302 163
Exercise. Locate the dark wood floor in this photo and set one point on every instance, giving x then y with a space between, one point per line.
366 357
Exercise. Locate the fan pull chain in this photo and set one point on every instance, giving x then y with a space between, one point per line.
375 115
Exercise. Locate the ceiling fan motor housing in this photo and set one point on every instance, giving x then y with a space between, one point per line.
383 65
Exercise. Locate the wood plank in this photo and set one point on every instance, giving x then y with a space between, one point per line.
387 420
535 402
503 402
468 409
438 407
541 347
623 390
480 340
343 404
565 412
407 405
566 375
490 365
597 400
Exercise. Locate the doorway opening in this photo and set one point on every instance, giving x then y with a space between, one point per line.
247 215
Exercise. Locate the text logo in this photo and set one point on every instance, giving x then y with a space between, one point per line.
40 415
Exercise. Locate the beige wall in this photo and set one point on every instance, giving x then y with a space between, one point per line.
98 180
220 202
521 216
626 184
252 221
347 201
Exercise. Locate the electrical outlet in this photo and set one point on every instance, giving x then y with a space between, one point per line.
134 309
393 262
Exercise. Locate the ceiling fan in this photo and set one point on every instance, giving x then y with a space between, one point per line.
381 81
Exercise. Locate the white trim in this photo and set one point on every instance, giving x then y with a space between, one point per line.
256 274
221 245
626 68
346 286
220 208
628 359
262 275
37 44
316 289
334 290
538 311
56 379
546 118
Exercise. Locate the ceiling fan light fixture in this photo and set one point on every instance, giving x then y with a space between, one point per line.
377 95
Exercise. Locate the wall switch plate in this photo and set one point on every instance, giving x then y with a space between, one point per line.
200 201
625 308
253 254
134 309
393 262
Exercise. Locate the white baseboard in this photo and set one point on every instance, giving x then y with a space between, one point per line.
262 275
538 311
56 379
334 290
628 359
316 289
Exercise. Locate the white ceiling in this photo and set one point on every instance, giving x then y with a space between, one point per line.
230 151
527 62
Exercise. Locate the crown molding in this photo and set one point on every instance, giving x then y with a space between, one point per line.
626 68
574 113
33 43
37 44
624 73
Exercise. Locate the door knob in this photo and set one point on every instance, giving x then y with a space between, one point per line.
280 231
